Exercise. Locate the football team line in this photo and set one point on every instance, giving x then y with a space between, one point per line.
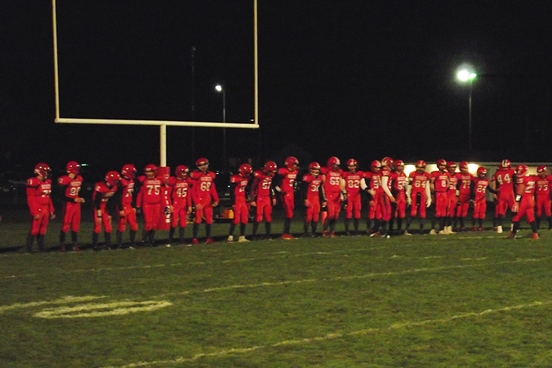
390 196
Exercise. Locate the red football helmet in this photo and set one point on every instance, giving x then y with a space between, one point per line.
375 166
150 169
128 171
292 162
441 162
481 171
333 162
399 165
387 162
541 169
451 166
112 178
201 161
245 170
270 168
464 166
521 170
42 169
72 167
421 164
505 164
181 171
352 162
314 168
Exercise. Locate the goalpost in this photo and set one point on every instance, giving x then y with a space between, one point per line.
161 123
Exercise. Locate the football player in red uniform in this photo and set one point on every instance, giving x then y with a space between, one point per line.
418 194
71 209
439 183
465 181
124 198
205 197
480 187
150 201
387 199
285 186
239 184
503 182
39 188
452 196
263 197
180 185
313 198
334 187
371 184
104 208
352 179
524 202
400 181
544 181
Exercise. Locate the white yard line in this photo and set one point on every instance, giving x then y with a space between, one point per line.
332 336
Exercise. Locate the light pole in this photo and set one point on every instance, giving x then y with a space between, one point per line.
219 88
465 75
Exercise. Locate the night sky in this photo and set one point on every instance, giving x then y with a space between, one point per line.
362 79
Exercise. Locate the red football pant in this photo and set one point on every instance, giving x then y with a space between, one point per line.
241 213
288 203
354 205
39 225
543 206
128 218
441 204
418 206
334 206
206 211
179 215
151 212
105 220
264 209
480 208
527 208
71 217
313 212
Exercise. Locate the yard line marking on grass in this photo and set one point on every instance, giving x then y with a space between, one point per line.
350 277
334 336
102 309
64 300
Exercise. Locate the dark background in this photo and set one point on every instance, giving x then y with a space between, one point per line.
362 79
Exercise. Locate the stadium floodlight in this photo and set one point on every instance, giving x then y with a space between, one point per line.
254 124
220 89
467 75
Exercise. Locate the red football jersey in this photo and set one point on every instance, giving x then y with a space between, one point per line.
286 179
418 181
262 185
352 182
72 185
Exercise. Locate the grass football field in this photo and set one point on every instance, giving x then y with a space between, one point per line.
472 299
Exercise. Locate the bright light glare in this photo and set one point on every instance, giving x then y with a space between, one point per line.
218 87
465 75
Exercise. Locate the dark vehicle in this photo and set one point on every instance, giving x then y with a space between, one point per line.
223 212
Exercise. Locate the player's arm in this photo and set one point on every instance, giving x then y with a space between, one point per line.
428 194
385 185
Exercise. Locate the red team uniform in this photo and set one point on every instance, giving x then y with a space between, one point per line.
71 204
151 200
543 202
525 201
39 189
372 184
480 187
440 180
205 197
313 198
503 182
125 205
334 189
287 180
263 197
452 195
352 179
418 194
400 182
181 199
103 192
387 197
465 180
239 194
